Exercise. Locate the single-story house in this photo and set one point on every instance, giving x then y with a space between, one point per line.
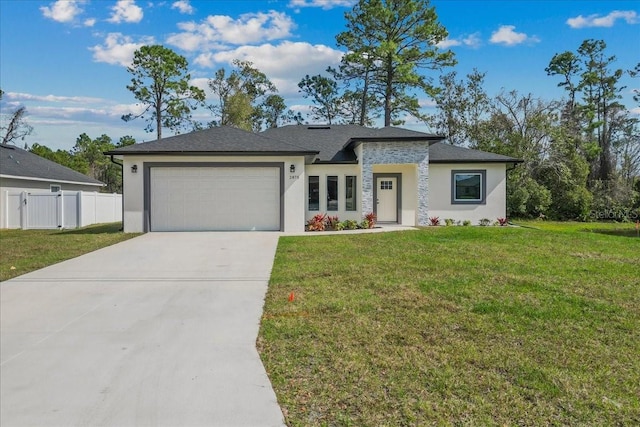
229 179
23 171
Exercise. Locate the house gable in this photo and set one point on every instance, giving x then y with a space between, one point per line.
21 165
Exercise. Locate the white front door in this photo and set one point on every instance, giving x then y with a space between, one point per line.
387 199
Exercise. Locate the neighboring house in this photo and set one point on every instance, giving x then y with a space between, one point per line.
23 171
228 179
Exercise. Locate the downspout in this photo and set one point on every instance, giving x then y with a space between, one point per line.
122 175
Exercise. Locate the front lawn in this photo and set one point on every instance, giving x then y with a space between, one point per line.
27 250
457 325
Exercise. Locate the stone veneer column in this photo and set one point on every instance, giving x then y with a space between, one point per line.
367 186
396 152
423 191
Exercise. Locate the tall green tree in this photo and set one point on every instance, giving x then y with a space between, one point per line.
241 96
362 104
594 90
462 108
62 157
16 127
400 38
275 112
323 92
91 152
160 81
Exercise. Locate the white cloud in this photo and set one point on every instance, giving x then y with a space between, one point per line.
427 103
126 11
89 22
62 10
285 64
22 97
629 16
447 43
635 111
324 4
507 36
217 30
472 40
118 49
183 6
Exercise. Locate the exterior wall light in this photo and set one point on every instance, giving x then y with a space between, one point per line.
134 169
292 168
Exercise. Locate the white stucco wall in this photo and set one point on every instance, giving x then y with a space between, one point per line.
440 193
341 171
294 186
409 196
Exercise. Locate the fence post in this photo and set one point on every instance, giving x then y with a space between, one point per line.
5 196
79 205
60 210
23 210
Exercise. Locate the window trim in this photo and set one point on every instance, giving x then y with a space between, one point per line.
354 192
309 191
483 187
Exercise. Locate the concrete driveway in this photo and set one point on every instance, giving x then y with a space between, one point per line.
159 330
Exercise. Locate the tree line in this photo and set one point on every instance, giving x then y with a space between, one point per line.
581 153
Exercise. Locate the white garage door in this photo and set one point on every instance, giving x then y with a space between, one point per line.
214 198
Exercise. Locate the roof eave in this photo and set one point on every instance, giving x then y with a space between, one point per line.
332 162
60 181
354 142
212 153
477 161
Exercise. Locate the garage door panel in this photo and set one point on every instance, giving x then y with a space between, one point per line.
214 198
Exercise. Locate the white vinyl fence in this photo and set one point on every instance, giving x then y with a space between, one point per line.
64 209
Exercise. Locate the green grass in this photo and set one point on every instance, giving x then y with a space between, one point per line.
457 326
27 250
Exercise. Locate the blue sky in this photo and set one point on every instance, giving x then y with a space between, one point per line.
66 60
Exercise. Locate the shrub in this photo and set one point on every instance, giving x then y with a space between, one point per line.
484 222
434 220
449 221
364 224
350 224
371 218
503 222
317 223
339 226
466 223
331 222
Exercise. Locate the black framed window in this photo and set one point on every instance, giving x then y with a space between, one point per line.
314 193
332 193
350 193
468 186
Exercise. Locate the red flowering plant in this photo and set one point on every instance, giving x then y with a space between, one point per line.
317 223
371 219
331 222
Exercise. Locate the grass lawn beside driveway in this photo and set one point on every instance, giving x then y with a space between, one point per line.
457 326
29 250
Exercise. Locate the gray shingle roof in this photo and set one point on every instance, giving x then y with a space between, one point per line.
222 139
447 153
332 140
332 143
17 162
